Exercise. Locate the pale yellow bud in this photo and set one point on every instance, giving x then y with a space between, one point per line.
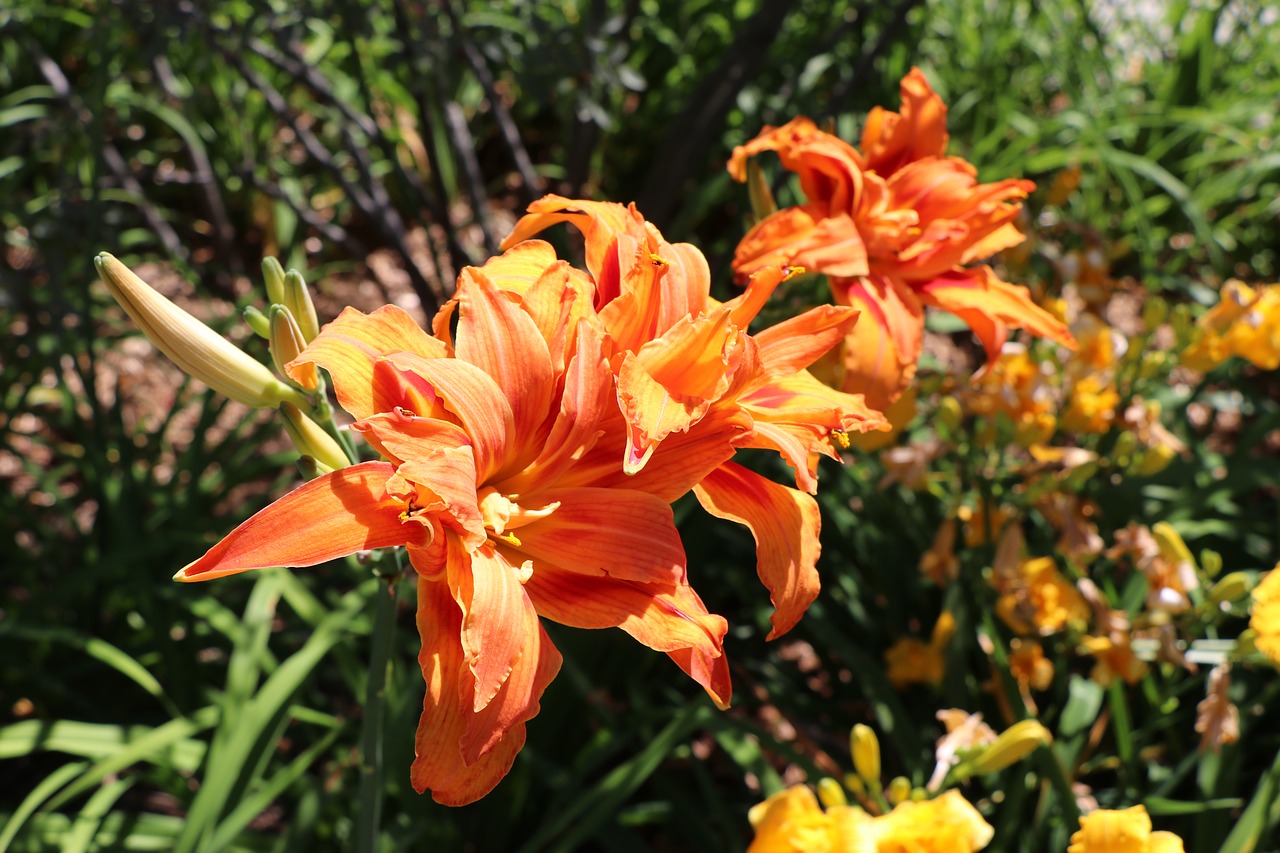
1014 743
866 753
287 344
950 414
1172 548
899 790
297 298
855 784
311 440
830 793
1153 460
1210 562
1230 587
201 352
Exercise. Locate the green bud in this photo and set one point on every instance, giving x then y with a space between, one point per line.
899 790
257 321
830 793
1014 743
311 440
866 753
273 273
1210 562
1230 587
298 299
287 344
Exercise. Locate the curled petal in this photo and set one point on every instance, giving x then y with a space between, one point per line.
830 170
785 524
797 343
803 236
351 345
448 721
991 306
332 516
880 354
665 617
891 140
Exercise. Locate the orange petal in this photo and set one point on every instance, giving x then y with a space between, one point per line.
830 170
797 343
599 221
440 765
617 533
991 306
498 620
891 140
785 524
469 394
666 618
586 399
880 354
803 236
331 516
445 482
496 335
350 346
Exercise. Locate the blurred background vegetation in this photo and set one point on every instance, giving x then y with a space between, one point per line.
381 145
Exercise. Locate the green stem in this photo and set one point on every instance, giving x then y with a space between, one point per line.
369 819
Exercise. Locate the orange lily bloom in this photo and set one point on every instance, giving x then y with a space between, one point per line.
685 364
895 228
481 434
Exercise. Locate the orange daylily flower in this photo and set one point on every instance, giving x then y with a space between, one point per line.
895 228
685 365
482 433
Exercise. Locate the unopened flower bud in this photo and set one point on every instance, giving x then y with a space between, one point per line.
193 346
1210 562
830 793
257 322
287 344
1172 548
311 440
1014 743
273 274
899 790
1230 587
949 413
758 190
855 784
1152 461
866 753
297 298
1154 312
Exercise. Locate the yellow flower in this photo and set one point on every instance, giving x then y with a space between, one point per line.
1114 658
1122 831
1092 406
1245 323
1038 599
947 824
1028 665
911 661
1265 618
792 821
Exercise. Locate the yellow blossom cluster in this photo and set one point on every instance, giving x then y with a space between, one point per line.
1245 323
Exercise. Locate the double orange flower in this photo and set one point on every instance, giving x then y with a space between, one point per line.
895 227
531 447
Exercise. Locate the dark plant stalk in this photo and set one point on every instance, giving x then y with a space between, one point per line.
369 817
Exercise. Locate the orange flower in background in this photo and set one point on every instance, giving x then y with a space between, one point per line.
686 368
895 228
911 661
483 435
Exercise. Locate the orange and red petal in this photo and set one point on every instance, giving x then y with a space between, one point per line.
879 356
471 395
495 334
332 516
891 140
830 170
803 236
448 720
351 345
785 524
990 307
796 343
665 617
616 533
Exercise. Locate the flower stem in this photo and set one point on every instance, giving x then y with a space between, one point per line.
369 819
